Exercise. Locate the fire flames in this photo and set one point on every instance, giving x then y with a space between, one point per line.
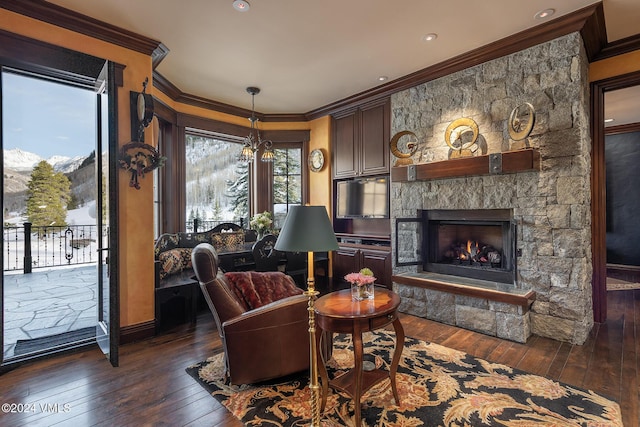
473 252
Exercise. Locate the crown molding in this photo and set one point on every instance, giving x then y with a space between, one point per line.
594 32
83 24
619 47
169 89
165 86
158 55
224 128
589 21
562 26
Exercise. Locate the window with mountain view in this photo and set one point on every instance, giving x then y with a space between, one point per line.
287 182
217 184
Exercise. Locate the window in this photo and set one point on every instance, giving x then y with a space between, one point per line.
287 182
217 184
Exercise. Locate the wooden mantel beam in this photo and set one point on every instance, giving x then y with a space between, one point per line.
499 163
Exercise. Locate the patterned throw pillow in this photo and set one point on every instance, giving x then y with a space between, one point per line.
174 261
254 289
166 242
227 240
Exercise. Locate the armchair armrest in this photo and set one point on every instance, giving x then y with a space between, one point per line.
276 314
277 332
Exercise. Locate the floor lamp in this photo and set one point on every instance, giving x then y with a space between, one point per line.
308 229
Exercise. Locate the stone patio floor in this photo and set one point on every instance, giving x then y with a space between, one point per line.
48 302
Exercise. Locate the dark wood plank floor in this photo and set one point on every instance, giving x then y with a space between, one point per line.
151 386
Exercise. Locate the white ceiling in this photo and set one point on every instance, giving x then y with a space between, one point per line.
307 54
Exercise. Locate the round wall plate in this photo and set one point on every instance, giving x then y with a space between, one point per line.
461 133
316 160
521 121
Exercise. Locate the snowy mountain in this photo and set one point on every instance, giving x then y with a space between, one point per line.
18 165
20 160
65 164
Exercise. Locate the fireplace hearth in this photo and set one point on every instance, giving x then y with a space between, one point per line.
478 244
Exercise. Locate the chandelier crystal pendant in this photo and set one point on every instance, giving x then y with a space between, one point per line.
253 142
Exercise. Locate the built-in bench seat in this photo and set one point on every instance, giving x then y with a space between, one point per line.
176 287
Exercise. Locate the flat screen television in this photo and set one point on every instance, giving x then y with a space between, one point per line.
363 198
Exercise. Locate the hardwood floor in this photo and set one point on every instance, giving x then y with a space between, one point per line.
151 386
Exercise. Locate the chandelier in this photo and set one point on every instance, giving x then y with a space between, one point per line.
254 141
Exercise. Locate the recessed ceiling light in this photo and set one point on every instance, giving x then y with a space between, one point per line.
429 37
241 5
608 120
383 78
544 14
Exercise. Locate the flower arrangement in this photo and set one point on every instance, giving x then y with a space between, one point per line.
361 284
363 277
261 222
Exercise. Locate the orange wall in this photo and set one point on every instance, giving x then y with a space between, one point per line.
616 66
320 182
135 224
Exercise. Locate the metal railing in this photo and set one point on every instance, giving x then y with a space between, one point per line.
27 247
204 225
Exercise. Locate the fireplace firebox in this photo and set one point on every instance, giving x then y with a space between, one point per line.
478 244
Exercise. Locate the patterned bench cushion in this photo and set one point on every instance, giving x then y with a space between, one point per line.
173 251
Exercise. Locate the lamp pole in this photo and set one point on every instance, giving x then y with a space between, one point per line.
308 229
312 294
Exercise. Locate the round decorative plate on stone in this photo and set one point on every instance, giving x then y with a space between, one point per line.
461 136
521 121
406 149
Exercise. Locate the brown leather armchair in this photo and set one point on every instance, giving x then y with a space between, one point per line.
260 344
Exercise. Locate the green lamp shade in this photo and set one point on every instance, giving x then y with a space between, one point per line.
307 229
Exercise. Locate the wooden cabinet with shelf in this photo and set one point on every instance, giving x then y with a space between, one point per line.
361 140
351 258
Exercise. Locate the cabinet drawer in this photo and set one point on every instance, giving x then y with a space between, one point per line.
381 321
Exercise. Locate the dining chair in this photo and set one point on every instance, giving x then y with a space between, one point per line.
264 255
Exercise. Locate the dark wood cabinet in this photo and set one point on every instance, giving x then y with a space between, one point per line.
345 154
361 140
349 259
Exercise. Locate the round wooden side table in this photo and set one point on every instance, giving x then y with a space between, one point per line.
337 312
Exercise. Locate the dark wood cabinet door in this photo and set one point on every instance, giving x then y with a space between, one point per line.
361 140
345 146
380 263
374 138
345 261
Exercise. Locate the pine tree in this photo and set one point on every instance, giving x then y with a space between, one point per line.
286 177
48 194
238 191
217 210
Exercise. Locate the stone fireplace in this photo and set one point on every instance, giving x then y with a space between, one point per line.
541 231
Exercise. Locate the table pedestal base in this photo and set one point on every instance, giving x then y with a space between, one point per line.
336 313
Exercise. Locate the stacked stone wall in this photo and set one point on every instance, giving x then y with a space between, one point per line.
551 207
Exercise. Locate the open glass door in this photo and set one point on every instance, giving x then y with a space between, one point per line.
108 327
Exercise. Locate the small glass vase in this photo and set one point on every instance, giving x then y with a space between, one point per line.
362 292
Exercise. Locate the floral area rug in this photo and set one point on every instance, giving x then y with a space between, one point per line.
438 386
